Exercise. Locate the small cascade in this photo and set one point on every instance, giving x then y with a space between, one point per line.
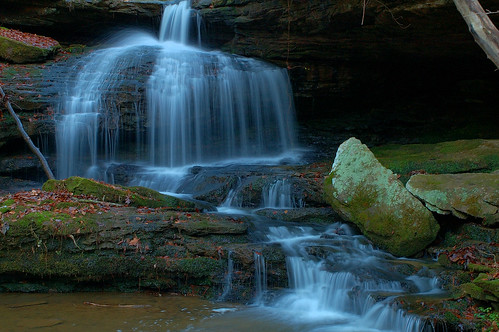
193 107
426 285
227 287
175 23
337 291
233 199
260 277
278 195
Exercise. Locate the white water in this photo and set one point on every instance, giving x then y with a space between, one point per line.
336 293
200 107
260 277
227 287
279 195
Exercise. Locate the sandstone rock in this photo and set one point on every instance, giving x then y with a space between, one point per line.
462 195
362 191
25 52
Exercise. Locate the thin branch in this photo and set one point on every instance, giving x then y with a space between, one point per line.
25 136
396 19
481 27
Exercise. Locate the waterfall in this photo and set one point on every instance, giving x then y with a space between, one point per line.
278 195
227 287
260 277
200 107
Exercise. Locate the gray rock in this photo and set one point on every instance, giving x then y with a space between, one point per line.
364 192
462 195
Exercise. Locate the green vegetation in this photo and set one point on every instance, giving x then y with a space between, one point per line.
488 319
133 196
446 157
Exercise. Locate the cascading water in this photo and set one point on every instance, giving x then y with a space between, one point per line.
200 107
338 289
260 277
278 195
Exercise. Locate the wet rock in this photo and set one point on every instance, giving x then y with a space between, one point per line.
462 195
70 19
314 215
362 191
210 224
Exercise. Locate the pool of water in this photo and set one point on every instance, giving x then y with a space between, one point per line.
106 312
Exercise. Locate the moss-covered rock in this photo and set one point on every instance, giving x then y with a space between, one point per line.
209 224
25 52
362 191
133 196
462 156
490 285
462 195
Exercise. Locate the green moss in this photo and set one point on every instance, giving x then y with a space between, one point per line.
18 52
446 157
382 223
480 268
56 223
134 196
451 318
198 267
8 202
490 286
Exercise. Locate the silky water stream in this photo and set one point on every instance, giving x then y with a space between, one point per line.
202 107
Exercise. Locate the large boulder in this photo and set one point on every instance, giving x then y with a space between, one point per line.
21 47
462 195
364 192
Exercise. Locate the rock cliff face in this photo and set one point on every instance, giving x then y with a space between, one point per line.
339 49
401 63
334 49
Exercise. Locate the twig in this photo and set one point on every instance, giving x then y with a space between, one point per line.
27 139
133 306
74 241
393 16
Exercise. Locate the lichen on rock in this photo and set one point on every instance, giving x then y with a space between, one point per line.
364 192
469 195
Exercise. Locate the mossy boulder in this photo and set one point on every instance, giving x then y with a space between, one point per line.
462 156
364 192
462 195
133 196
483 288
25 52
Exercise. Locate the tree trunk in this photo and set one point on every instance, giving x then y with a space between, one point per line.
25 136
481 27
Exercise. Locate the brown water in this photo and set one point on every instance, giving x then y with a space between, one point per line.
105 312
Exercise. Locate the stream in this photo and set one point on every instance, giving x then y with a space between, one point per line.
337 282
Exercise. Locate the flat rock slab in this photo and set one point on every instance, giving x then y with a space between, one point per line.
466 195
364 192
462 156
21 47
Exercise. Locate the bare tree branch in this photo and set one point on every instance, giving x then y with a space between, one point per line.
25 136
481 27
